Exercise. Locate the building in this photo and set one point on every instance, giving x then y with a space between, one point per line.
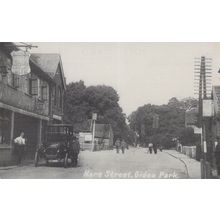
51 64
103 137
28 102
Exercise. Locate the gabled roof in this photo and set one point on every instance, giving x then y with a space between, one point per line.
49 63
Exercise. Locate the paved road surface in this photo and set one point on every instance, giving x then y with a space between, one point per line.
135 163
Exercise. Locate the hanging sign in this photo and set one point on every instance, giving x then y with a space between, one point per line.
20 62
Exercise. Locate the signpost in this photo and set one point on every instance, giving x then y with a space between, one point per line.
94 118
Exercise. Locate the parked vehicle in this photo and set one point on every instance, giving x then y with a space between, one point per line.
61 144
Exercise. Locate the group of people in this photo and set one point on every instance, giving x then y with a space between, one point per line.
121 144
153 148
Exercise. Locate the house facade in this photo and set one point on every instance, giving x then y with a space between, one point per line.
103 139
27 103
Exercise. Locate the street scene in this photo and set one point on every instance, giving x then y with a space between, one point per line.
109 110
135 163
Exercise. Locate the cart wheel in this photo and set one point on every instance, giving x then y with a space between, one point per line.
36 159
66 161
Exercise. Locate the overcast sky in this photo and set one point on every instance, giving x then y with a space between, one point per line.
140 72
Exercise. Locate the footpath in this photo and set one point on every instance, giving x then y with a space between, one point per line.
23 163
192 166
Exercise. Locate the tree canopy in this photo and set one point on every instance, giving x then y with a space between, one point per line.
171 122
81 102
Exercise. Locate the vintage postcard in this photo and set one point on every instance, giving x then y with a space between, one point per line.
109 110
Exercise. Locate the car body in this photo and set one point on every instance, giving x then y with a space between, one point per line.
61 144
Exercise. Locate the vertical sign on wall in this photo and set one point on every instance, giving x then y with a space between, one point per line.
20 62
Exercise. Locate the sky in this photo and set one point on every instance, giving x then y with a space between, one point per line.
141 73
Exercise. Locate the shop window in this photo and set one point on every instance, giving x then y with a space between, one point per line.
4 128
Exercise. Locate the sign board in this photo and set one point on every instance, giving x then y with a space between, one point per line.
88 137
20 62
204 147
57 117
208 108
197 130
94 116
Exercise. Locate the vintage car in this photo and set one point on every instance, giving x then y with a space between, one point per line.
61 144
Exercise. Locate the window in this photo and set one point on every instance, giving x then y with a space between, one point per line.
60 97
4 128
44 93
3 74
15 81
55 95
34 86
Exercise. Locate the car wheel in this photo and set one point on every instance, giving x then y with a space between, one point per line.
36 159
66 161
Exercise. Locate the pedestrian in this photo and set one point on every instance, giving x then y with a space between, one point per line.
123 146
155 148
217 157
117 145
20 143
150 146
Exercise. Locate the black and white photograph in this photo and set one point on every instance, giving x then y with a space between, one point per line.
109 110
98 110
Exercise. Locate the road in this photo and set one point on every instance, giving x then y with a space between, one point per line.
135 163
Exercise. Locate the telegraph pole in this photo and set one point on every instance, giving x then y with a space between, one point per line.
203 89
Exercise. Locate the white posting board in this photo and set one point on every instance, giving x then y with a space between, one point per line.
208 108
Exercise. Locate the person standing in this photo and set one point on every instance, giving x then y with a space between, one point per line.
123 146
150 146
117 145
155 148
20 147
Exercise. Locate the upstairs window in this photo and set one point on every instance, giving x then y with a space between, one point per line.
3 74
44 94
55 95
60 97
34 86
15 81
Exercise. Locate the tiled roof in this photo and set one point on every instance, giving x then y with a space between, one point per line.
47 62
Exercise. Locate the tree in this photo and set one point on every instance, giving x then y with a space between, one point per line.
171 122
81 102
